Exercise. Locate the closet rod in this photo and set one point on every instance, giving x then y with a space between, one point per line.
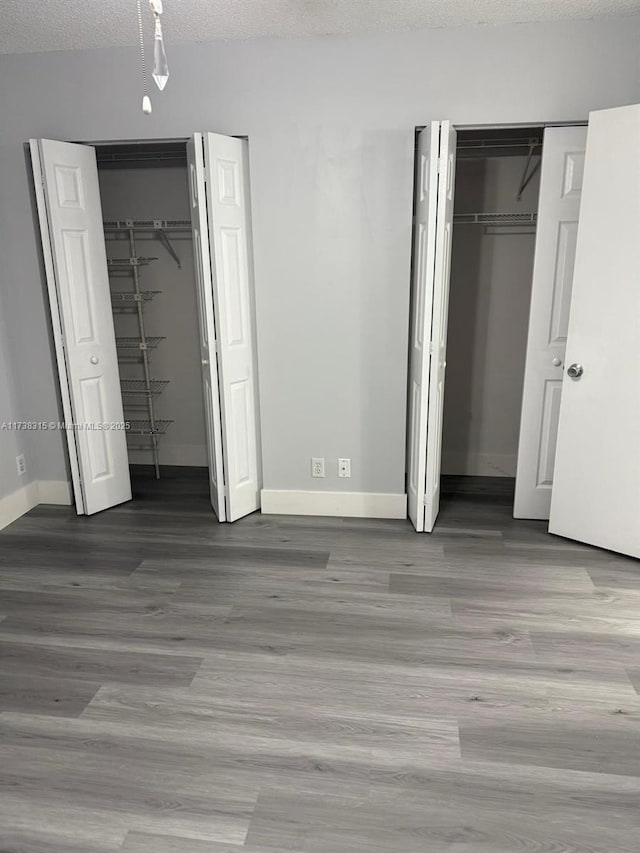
498 143
527 175
483 148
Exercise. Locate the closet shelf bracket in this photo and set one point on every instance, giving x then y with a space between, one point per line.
161 234
528 175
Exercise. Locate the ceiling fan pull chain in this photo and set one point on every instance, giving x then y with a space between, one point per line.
146 100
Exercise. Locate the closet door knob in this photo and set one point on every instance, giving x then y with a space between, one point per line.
575 371
556 362
205 361
94 359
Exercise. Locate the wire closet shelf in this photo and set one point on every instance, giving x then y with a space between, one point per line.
495 218
141 391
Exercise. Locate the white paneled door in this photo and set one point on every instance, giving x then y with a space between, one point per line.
71 223
226 163
206 318
596 488
421 312
439 321
435 179
559 205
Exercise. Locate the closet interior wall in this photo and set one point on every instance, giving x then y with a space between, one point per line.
160 192
491 276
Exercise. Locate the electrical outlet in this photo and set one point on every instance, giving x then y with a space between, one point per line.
317 466
344 467
21 465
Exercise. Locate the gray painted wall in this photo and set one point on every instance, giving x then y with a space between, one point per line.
162 193
489 302
331 127
12 442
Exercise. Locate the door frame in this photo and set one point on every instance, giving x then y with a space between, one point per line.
459 126
61 368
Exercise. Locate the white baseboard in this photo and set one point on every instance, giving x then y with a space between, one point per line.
55 492
38 492
480 464
341 504
17 503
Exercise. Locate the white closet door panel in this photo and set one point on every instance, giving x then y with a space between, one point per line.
229 213
421 310
58 338
439 320
240 411
558 210
76 237
596 489
207 325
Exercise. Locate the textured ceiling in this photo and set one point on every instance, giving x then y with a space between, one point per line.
29 26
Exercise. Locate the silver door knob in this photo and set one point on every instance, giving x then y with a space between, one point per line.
94 359
556 362
205 361
575 371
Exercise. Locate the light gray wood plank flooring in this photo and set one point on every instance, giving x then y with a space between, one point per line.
314 685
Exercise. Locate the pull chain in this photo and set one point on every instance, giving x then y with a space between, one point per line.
146 100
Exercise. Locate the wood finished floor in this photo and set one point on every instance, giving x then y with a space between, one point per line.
314 685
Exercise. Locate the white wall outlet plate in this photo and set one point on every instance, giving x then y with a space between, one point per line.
317 466
21 465
344 467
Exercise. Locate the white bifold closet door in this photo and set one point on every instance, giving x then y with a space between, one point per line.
596 487
421 309
208 335
219 167
561 177
440 321
594 474
70 215
68 199
430 306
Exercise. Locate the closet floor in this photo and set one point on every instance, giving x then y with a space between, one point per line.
312 684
